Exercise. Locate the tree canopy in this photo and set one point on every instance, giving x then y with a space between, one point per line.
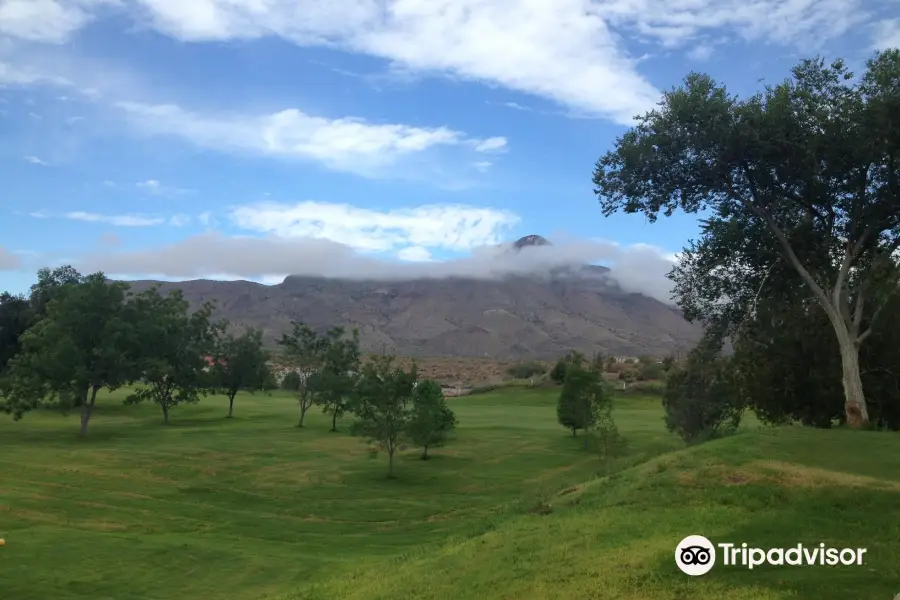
801 185
84 342
239 362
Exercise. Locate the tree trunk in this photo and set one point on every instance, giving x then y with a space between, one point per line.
425 454
574 432
857 413
303 409
87 408
334 421
390 464
165 409
231 404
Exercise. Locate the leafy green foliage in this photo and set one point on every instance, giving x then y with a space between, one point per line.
240 363
49 283
605 435
304 349
787 370
701 399
174 344
432 420
16 316
382 404
581 397
85 341
558 372
333 383
800 182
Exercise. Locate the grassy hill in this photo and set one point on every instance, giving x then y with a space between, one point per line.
253 508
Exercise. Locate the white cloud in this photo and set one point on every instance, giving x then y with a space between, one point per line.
180 220
205 218
414 254
73 120
349 144
16 75
569 51
153 186
482 165
118 220
491 145
453 227
638 269
36 161
887 34
48 21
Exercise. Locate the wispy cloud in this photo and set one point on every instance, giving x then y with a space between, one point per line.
36 161
118 220
347 144
887 34
155 187
452 227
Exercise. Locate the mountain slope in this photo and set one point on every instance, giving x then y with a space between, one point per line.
508 318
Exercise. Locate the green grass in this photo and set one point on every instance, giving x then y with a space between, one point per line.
254 508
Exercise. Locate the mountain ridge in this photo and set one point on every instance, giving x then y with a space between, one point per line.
512 317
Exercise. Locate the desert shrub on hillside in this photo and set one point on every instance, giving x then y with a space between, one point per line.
526 370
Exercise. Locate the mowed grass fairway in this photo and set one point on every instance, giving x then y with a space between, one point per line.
209 507
254 508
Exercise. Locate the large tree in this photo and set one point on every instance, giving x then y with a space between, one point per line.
84 342
239 363
802 185
174 346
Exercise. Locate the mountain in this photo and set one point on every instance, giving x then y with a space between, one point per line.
509 318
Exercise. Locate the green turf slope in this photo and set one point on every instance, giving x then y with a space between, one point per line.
614 538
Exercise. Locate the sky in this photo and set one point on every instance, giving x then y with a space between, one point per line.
252 139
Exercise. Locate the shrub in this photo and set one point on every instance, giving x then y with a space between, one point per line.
526 370
558 373
701 399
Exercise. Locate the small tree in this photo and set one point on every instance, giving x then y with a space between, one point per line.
305 350
174 347
580 398
334 381
382 403
607 439
84 342
240 363
432 420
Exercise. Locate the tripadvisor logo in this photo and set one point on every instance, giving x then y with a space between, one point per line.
696 555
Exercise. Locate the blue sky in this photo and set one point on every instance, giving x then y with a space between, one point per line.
248 139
